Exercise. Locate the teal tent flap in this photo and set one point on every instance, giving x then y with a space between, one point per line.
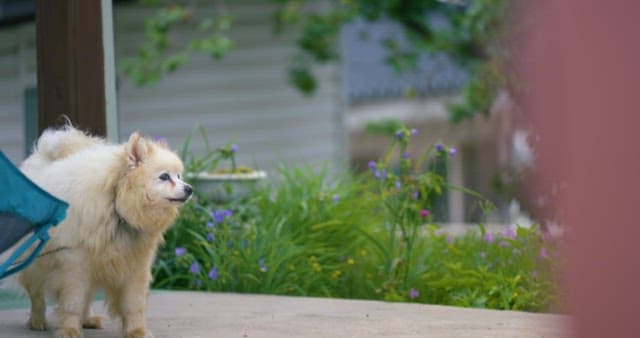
20 196
24 208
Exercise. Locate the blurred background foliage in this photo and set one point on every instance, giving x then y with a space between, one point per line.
474 33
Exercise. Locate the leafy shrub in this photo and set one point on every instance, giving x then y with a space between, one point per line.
369 236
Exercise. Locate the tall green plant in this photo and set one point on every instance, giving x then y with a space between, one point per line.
211 158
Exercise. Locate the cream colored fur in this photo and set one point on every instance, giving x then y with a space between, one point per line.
103 183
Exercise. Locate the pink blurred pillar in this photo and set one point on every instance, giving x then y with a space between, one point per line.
584 68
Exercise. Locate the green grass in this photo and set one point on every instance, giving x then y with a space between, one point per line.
296 229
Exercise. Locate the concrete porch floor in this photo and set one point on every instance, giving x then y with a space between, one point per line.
194 314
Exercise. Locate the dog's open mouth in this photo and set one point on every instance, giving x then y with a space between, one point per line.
178 200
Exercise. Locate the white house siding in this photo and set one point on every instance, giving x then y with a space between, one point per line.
244 98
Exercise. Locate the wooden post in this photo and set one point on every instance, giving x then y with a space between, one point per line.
71 69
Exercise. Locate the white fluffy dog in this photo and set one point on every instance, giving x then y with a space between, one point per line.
122 198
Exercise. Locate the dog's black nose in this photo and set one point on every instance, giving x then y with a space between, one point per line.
188 190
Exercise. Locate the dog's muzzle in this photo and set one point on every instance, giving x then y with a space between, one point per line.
188 191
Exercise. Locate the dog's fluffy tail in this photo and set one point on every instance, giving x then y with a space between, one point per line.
56 144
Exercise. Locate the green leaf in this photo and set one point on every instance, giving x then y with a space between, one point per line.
205 24
174 62
303 79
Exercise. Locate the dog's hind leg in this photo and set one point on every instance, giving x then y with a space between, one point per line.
37 319
71 301
90 321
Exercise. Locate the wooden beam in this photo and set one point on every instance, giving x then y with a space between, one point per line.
71 64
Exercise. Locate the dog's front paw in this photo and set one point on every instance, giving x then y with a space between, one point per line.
94 322
68 332
37 324
139 333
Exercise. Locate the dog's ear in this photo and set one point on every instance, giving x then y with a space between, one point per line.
136 149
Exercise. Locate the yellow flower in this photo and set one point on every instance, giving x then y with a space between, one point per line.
316 267
363 252
336 274
351 261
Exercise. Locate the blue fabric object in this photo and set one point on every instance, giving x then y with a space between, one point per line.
13 229
24 207
20 196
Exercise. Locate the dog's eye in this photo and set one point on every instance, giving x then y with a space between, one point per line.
164 177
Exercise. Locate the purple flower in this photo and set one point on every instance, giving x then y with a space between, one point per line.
180 251
452 152
211 225
415 195
439 147
510 233
159 138
220 215
217 217
372 165
406 155
211 237
424 213
488 237
263 266
450 239
336 198
483 255
213 273
398 185
234 148
194 268
399 134
543 253
413 293
503 244
381 175
414 132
